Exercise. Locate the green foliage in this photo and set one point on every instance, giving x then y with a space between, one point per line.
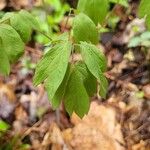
144 8
13 143
140 40
21 26
23 22
15 30
75 84
49 22
11 47
59 95
96 9
4 65
11 42
64 79
96 63
81 25
87 78
144 11
53 67
31 21
58 69
60 9
4 126
76 97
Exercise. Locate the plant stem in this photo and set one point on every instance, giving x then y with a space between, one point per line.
36 30
68 17
45 35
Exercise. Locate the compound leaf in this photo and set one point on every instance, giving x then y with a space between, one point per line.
84 29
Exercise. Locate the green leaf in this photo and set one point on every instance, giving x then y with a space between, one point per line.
59 95
103 85
96 63
58 69
141 40
145 35
76 97
43 67
30 19
144 11
53 67
90 82
21 26
144 8
4 62
3 126
23 22
134 42
95 9
94 56
147 21
11 42
84 29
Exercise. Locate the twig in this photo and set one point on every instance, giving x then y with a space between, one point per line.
68 18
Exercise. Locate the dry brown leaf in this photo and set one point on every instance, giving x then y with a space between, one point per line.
18 4
7 100
98 130
146 90
140 146
57 138
2 4
7 90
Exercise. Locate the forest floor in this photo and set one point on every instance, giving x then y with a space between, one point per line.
121 122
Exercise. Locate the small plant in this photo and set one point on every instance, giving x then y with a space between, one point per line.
65 78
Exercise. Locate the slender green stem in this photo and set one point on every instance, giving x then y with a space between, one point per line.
45 35
3 21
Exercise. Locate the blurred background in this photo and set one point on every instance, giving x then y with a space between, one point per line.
121 122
